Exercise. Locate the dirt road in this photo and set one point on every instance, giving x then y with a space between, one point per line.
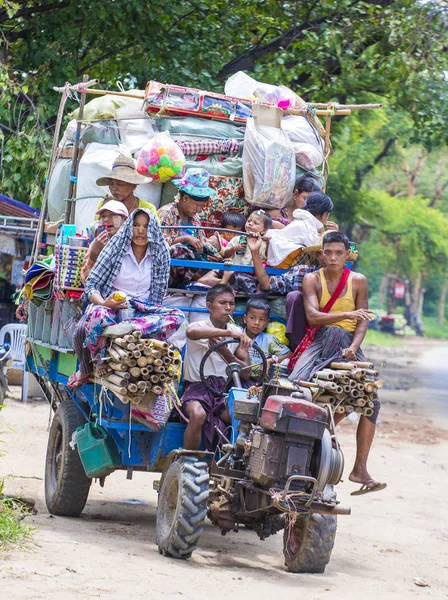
391 540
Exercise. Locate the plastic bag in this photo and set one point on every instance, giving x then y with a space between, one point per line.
269 166
279 330
300 131
307 156
161 158
103 132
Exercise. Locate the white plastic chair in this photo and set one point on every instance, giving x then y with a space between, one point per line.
17 333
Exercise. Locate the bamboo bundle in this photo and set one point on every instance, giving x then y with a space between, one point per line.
347 387
136 366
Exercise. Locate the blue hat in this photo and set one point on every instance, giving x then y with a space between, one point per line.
195 183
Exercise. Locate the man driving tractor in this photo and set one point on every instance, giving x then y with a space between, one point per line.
204 410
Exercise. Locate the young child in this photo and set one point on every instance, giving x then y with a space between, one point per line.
257 222
229 220
256 320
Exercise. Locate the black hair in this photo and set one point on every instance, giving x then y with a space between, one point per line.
267 219
306 184
217 290
233 220
335 237
318 203
196 198
258 303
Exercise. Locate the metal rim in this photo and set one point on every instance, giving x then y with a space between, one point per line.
210 388
56 462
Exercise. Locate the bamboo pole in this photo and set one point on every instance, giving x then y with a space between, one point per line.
338 106
70 208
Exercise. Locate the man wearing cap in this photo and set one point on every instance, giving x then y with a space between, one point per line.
122 181
111 217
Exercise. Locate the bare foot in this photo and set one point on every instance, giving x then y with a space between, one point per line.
363 476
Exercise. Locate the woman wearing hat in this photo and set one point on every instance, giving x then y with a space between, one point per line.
122 181
188 243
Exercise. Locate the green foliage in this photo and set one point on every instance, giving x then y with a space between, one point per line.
409 238
334 50
378 338
13 530
434 330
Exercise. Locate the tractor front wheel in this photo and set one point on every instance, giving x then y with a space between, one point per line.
308 543
182 506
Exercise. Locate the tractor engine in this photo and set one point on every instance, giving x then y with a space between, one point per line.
290 438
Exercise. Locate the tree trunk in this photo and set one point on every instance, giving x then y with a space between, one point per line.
382 294
421 300
415 293
442 301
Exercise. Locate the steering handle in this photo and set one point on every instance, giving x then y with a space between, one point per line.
215 348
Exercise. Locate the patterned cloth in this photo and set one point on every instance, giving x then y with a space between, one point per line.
270 345
110 260
229 197
180 276
87 265
290 281
206 147
169 215
153 321
326 348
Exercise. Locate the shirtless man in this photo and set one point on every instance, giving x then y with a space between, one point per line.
342 330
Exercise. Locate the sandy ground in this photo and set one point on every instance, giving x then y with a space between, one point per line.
392 539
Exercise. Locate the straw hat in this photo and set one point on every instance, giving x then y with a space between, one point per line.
123 169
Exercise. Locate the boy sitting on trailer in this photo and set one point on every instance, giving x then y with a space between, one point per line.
205 411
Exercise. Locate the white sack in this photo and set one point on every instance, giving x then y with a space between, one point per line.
303 232
135 127
58 188
96 162
300 131
308 157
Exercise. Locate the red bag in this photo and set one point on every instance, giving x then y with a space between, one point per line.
311 331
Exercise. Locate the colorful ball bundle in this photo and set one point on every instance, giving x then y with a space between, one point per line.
161 159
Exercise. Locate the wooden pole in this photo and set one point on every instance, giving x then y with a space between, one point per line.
326 150
337 106
70 208
43 210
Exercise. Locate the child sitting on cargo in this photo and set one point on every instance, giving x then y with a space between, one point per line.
258 222
229 220
256 320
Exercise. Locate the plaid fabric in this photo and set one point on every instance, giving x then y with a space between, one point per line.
206 147
87 266
108 265
270 345
169 215
290 281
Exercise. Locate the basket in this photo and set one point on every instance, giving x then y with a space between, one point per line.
69 260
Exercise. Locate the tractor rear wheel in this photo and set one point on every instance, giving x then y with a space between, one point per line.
66 483
182 506
307 545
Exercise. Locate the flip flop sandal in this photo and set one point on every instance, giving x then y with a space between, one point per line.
365 489
75 382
